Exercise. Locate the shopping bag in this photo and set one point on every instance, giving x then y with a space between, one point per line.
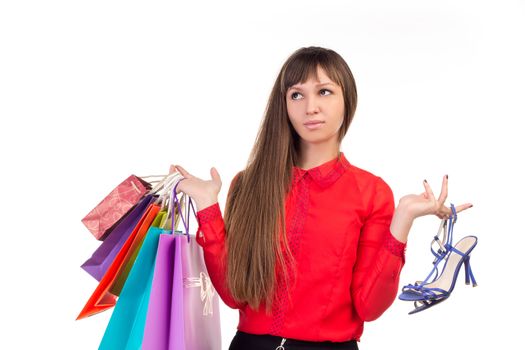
121 277
157 328
99 262
105 295
183 310
103 218
125 329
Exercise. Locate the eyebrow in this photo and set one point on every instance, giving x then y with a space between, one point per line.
320 84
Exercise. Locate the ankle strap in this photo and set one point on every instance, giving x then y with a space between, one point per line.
445 244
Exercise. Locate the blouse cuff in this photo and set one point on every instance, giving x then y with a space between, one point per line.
208 214
394 246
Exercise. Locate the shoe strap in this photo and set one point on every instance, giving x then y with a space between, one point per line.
441 248
446 245
427 292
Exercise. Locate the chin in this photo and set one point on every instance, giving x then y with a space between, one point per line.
319 139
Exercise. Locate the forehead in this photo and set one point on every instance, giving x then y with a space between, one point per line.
317 83
321 79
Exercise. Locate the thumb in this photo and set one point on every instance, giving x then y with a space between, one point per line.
215 174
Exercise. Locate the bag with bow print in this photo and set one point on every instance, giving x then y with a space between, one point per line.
183 311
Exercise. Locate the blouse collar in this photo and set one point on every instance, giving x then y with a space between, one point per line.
325 174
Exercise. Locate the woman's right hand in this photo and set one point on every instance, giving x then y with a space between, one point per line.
203 192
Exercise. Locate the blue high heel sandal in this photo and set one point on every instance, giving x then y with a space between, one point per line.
428 293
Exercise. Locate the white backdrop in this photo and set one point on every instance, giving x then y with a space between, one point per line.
91 92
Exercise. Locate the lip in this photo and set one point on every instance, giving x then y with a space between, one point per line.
312 125
310 122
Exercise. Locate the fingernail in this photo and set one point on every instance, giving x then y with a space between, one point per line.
471 205
446 176
425 180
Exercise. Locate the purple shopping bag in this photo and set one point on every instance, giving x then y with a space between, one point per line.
183 310
102 258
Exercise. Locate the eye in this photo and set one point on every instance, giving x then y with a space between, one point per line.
293 93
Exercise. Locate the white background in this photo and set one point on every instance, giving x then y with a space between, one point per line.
93 91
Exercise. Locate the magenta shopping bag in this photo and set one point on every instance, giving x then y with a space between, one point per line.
183 310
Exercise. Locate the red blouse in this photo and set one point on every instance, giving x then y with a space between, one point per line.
338 225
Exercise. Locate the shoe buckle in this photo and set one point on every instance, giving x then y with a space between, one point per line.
442 250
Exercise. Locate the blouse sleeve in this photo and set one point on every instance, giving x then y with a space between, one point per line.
380 258
211 236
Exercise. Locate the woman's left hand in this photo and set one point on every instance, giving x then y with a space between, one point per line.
426 203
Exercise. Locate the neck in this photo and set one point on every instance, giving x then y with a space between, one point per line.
312 157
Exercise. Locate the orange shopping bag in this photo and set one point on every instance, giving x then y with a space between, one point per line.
124 270
102 298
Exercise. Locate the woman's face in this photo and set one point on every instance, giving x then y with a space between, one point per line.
316 101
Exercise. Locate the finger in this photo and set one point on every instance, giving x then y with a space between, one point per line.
215 175
428 190
462 207
443 212
178 187
173 169
447 211
183 171
444 191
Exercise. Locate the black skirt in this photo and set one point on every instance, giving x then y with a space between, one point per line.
247 341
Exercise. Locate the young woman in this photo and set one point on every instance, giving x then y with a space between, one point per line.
310 246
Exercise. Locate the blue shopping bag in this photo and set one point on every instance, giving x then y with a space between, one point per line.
126 326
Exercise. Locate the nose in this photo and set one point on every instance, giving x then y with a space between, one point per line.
312 106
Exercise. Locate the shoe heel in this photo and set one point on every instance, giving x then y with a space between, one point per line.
468 273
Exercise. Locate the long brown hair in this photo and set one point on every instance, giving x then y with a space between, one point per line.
254 213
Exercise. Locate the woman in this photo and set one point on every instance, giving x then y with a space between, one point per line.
336 263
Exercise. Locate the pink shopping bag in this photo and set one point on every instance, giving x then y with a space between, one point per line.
101 220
